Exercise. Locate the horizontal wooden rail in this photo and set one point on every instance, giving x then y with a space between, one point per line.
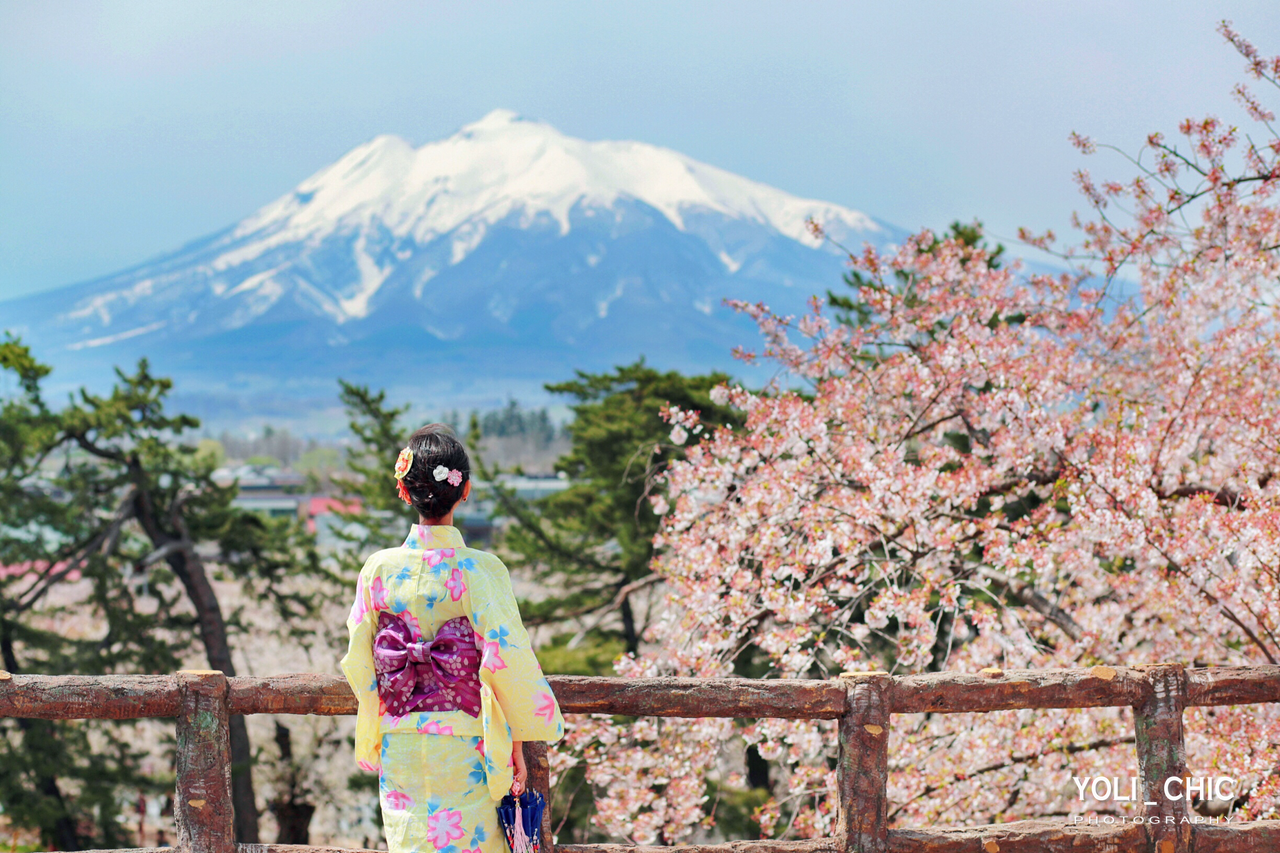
118 697
1027 836
89 697
864 703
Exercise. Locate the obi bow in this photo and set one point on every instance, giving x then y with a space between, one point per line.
441 674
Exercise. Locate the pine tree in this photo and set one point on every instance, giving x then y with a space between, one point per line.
592 542
103 499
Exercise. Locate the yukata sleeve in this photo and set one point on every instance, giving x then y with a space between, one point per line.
507 661
357 666
516 701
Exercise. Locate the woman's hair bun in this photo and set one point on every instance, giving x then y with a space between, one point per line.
434 445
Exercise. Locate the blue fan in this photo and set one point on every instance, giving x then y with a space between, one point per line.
521 819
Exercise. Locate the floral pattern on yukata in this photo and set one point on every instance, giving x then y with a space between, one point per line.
435 797
429 580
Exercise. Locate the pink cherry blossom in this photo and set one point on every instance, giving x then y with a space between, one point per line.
444 827
546 706
398 800
358 608
491 657
378 595
455 584
415 627
433 556
989 467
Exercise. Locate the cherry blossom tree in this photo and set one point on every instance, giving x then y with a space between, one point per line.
984 467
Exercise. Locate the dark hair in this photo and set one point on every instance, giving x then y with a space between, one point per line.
432 446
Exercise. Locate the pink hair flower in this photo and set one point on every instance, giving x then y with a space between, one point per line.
453 475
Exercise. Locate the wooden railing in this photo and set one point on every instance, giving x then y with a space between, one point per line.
862 702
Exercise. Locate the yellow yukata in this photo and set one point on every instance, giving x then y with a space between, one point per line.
442 772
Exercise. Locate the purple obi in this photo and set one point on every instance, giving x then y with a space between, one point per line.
442 674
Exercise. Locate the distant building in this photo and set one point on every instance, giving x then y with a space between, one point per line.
260 479
277 493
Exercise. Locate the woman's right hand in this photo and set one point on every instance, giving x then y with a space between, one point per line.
521 772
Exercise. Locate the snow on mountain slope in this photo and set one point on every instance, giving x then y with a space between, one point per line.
499 167
507 248
503 164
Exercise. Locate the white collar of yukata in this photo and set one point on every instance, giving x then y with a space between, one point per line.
431 536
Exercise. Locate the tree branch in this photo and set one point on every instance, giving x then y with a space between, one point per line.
1025 593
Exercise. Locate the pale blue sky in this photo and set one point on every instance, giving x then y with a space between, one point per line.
129 128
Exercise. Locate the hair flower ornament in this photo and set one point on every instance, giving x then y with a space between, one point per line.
453 475
403 463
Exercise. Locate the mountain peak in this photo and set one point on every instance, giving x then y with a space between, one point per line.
448 252
498 119
385 142
505 164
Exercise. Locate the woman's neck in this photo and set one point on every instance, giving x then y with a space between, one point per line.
443 521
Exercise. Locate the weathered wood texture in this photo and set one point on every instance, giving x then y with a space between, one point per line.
1024 836
296 693
1256 836
863 773
535 760
89 697
250 848
133 850
133 696
953 692
291 848
202 806
819 845
203 701
1162 755
1233 685
700 697
1030 836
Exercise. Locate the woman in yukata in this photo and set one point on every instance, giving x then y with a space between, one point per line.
447 683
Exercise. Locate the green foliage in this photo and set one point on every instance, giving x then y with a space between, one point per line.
319 460
381 518
103 501
263 460
733 809
509 421
589 544
210 452
379 439
561 655
593 542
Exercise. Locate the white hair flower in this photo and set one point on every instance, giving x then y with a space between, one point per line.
440 473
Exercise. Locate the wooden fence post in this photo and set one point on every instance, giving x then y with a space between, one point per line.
1161 756
202 805
863 774
535 759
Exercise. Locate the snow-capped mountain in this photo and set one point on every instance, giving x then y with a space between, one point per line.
486 263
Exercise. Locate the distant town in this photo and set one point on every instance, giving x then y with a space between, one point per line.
278 492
